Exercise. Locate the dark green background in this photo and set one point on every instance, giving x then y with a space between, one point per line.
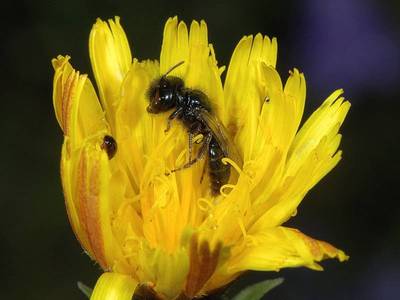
356 207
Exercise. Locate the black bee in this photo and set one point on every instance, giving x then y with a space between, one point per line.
193 108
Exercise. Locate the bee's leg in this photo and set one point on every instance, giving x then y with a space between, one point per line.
191 136
172 116
200 155
193 132
204 170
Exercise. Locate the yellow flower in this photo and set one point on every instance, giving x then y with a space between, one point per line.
165 234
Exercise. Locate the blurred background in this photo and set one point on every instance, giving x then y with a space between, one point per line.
350 44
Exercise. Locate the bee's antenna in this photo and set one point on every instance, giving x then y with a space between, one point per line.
173 68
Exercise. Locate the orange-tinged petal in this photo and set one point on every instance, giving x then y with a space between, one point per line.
282 247
77 108
90 190
95 195
203 263
81 118
86 175
68 173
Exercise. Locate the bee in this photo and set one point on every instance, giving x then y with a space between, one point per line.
192 107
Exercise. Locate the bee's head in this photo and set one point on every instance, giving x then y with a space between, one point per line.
164 91
163 94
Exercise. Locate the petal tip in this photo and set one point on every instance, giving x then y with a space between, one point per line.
59 61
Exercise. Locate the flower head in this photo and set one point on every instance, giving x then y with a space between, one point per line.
151 231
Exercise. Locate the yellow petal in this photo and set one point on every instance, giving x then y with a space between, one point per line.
114 286
81 118
111 59
283 202
243 89
167 270
91 188
175 46
279 120
67 170
86 177
325 121
200 70
312 155
282 247
295 90
133 122
77 108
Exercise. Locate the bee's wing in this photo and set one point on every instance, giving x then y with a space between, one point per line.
221 134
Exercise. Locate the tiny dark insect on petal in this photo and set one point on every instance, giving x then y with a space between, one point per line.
110 145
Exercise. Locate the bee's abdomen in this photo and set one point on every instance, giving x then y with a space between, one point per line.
218 171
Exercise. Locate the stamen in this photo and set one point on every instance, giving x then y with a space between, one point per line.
164 181
225 187
250 241
154 168
130 255
126 203
242 227
250 169
205 204
181 158
227 160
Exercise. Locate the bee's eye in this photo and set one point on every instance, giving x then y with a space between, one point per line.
162 96
109 145
157 95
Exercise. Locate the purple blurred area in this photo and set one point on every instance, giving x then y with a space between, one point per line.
349 43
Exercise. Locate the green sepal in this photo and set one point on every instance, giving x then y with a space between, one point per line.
255 291
87 291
